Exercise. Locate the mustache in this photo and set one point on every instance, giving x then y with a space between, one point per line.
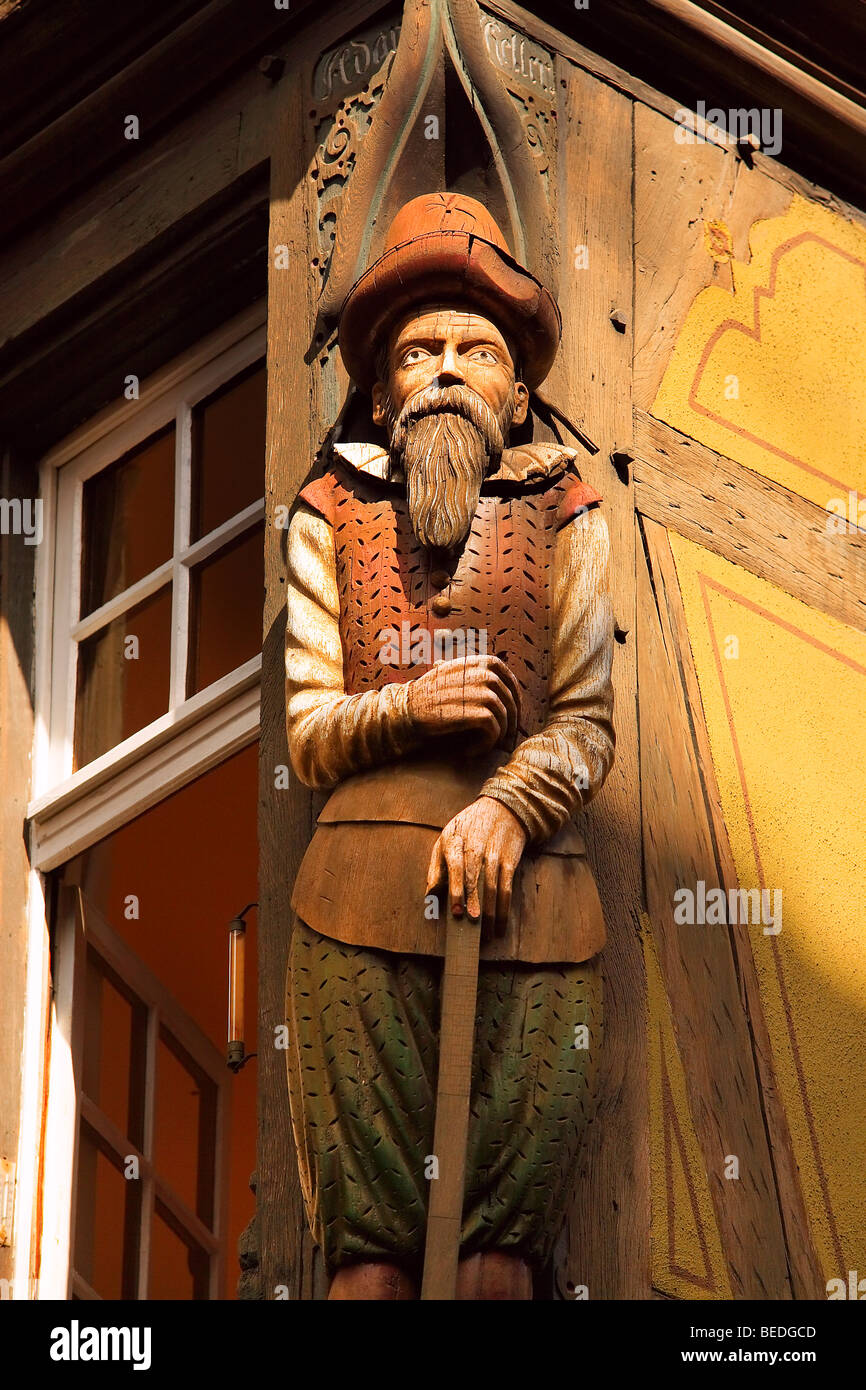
460 401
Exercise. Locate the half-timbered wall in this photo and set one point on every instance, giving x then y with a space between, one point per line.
712 375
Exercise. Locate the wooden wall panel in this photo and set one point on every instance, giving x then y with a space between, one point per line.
804 1266
679 188
285 812
16 738
698 967
608 1228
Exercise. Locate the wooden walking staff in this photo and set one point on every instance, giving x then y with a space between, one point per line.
456 1043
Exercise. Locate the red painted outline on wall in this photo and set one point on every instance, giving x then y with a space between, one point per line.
764 292
708 583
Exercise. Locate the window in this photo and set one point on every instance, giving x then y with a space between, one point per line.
162 1137
150 1200
151 593
149 611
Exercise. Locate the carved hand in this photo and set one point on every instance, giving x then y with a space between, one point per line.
470 692
479 849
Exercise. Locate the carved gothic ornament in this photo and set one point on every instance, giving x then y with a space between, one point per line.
508 82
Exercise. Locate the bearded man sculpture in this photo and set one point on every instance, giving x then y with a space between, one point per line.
448 659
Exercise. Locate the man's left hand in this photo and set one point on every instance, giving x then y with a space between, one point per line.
478 852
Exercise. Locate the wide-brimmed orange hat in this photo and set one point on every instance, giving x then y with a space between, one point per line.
446 248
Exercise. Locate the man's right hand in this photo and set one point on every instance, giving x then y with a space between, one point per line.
470 693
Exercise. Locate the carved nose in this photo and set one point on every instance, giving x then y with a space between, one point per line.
450 371
450 376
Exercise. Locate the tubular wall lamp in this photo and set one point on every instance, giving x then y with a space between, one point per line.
236 1055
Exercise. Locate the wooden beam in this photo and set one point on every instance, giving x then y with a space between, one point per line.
153 257
102 231
807 91
749 520
286 813
297 419
678 189
49 54
608 1227
181 288
16 740
648 54
169 78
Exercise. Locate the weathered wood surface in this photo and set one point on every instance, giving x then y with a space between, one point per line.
698 968
285 813
453 1087
678 188
16 738
749 520
50 50
807 1280
826 144
608 1225
171 76
156 254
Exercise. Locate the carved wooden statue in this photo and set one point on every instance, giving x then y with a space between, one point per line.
448 661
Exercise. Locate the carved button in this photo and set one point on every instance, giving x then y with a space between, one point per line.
441 606
440 579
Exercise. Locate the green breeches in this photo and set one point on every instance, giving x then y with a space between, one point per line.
362 1063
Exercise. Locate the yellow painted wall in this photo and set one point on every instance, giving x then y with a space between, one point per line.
773 375
686 1249
784 693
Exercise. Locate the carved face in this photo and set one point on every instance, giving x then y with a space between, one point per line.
448 403
453 347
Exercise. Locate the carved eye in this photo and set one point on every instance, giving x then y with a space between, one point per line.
413 355
484 355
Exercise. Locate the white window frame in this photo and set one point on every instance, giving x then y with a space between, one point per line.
71 810
69 813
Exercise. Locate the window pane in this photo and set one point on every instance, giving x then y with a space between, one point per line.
181 935
226 605
114 1050
128 524
122 687
184 1134
178 1267
106 1225
228 452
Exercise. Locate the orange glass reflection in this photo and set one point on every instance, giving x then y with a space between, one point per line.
114 1043
185 1128
123 685
228 451
227 601
178 1267
128 522
106 1222
180 934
